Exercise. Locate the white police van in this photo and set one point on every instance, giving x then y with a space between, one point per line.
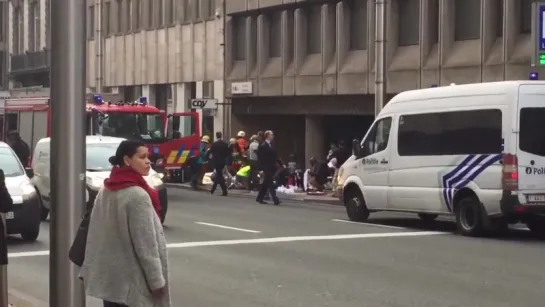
476 151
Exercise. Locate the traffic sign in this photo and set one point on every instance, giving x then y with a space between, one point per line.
203 103
538 35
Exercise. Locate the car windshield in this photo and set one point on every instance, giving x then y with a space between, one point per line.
142 126
9 163
98 155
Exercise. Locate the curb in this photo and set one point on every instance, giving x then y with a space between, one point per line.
332 201
20 299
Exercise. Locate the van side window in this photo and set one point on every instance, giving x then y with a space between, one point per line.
377 139
450 133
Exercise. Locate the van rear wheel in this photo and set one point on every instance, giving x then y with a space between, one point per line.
469 217
355 207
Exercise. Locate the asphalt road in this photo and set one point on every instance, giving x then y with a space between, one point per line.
234 252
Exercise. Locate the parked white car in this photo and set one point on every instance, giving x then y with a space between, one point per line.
98 150
25 217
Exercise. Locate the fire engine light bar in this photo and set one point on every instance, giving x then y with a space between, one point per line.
143 100
533 76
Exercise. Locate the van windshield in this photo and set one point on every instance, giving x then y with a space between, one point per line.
98 155
532 131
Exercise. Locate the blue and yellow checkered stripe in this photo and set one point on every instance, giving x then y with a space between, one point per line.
182 154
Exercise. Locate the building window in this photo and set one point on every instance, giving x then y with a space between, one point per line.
409 22
357 10
170 14
128 16
314 29
18 29
151 9
119 16
525 7
239 25
107 18
197 9
34 26
433 11
450 133
211 8
499 18
160 13
467 20
187 10
91 23
275 35
208 89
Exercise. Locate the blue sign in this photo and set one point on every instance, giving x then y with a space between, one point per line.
155 150
541 27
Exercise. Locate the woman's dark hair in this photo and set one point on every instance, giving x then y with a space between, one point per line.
126 148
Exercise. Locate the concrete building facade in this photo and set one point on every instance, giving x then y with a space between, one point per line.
169 51
309 59
4 44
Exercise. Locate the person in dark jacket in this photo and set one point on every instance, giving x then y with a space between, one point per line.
20 147
268 161
318 174
5 206
220 153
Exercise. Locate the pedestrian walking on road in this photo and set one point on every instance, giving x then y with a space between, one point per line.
6 204
220 154
268 162
126 255
20 147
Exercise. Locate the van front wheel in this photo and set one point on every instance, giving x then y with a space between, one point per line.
355 207
469 217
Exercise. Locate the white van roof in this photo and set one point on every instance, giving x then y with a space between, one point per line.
2 144
92 139
473 89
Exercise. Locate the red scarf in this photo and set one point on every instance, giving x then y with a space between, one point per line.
124 177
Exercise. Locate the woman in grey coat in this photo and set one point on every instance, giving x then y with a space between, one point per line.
126 255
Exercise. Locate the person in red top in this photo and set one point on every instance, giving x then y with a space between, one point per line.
242 143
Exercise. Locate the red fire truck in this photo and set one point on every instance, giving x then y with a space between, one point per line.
172 138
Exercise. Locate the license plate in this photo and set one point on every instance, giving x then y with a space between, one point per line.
10 216
536 198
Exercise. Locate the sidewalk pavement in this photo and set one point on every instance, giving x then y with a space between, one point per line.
19 299
300 197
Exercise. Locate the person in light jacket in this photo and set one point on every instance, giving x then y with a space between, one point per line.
126 254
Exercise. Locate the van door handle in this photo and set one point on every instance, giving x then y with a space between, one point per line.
384 162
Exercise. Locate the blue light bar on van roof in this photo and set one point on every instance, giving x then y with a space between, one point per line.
97 99
533 76
434 85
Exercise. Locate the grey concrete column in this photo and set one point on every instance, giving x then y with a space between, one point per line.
287 40
446 29
329 27
511 27
251 45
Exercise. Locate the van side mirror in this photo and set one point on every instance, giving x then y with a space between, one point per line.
29 172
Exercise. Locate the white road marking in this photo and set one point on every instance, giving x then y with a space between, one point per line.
269 240
369 224
228 227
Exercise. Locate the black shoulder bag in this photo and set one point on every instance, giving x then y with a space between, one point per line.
77 250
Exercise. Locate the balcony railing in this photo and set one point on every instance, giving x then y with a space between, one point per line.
31 61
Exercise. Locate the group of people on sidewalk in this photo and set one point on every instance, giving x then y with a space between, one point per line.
242 158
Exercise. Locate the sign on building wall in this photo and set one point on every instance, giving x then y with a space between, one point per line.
538 33
203 103
241 88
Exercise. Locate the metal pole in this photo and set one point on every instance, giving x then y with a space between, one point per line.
68 59
99 40
380 55
4 270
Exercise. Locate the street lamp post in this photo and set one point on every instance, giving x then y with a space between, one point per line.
68 78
